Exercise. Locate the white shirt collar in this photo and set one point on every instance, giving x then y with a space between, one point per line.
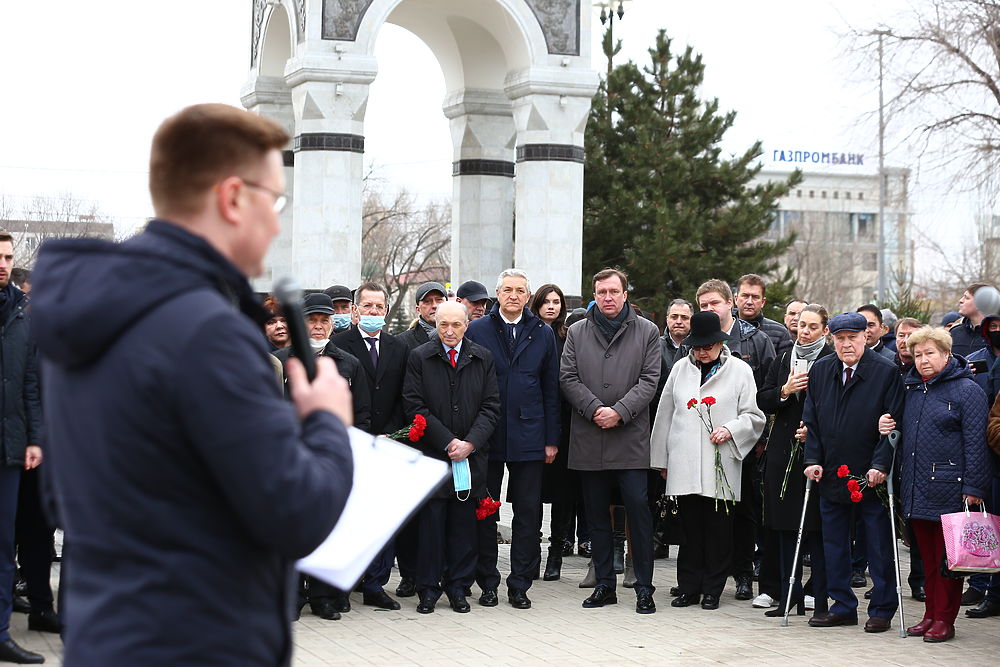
504 318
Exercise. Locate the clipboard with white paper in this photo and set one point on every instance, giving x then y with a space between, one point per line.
391 481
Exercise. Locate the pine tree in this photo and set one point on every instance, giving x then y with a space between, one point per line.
660 201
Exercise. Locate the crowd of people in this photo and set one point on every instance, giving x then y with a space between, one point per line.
728 416
189 468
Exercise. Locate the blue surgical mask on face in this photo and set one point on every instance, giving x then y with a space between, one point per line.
341 322
371 323
461 475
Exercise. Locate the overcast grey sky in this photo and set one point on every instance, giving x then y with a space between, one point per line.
86 84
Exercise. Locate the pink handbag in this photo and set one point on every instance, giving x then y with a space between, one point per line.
972 541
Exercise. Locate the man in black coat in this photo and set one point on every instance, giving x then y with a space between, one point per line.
847 394
21 412
324 600
383 363
452 383
429 295
751 296
187 485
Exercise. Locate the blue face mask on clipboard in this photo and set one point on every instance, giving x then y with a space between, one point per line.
461 475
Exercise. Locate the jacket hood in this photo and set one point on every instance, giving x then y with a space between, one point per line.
984 327
87 292
956 369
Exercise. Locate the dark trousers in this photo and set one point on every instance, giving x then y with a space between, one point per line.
446 557
747 519
10 481
406 549
916 576
377 574
770 563
598 493
812 544
524 491
705 559
34 537
944 595
836 521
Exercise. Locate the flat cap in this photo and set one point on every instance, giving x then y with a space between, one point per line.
848 322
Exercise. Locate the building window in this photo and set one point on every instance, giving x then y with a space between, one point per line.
835 193
861 195
823 194
812 194
870 262
847 195
863 225
798 193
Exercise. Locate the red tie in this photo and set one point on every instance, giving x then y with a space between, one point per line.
451 357
848 372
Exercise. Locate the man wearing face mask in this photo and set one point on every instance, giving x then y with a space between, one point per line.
325 600
344 314
383 363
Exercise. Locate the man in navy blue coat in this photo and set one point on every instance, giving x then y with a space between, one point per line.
847 394
186 483
526 436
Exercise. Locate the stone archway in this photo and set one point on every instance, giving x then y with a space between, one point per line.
519 88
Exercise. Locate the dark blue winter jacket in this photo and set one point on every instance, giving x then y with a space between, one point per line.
529 385
965 338
944 450
185 483
20 408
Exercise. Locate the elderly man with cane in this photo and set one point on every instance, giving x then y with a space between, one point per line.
848 459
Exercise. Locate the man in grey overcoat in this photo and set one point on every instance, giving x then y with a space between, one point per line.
608 374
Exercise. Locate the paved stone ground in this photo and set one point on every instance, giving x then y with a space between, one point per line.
558 631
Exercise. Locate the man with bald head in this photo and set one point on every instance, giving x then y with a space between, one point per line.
452 383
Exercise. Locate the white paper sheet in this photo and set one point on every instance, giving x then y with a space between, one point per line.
390 481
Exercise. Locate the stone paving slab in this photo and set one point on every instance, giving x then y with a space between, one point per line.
558 631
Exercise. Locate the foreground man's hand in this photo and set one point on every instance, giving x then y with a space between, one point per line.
328 391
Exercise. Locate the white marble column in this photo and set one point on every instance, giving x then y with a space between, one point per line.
329 95
482 129
551 107
270 97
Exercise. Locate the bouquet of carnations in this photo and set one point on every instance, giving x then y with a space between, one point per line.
412 432
722 487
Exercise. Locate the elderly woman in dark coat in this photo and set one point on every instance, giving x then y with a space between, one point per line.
783 395
944 463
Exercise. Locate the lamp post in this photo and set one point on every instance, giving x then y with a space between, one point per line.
881 176
607 17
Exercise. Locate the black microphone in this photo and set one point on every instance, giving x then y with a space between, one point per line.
290 297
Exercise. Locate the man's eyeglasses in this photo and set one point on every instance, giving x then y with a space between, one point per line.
280 198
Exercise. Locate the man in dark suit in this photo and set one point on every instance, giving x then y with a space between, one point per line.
527 435
383 362
429 295
451 381
847 394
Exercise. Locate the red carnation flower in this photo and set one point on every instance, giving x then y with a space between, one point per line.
843 471
693 402
417 429
852 485
856 496
708 400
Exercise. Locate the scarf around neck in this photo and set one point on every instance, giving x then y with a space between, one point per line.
609 327
809 352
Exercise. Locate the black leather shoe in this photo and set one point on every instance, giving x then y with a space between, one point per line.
45 621
518 599
710 601
426 604
919 594
380 600
858 579
685 600
342 603
567 548
406 588
984 609
21 605
553 565
644 603
744 588
489 598
601 596
971 596
675 591
584 549
325 609
829 620
618 557
11 652
868 593
458 603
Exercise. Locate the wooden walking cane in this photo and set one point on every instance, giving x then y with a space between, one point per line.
798 547
893 439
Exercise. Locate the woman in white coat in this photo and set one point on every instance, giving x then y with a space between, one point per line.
706 422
